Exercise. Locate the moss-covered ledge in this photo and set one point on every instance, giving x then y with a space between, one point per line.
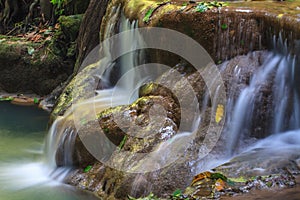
224 31
39 61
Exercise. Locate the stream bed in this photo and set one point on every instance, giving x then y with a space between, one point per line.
23 172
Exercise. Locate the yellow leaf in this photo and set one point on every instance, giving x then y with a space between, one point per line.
220 185
280 16
219 113
201 176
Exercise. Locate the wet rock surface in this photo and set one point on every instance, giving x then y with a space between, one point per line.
225 33
179 174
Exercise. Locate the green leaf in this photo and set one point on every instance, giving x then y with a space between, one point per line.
30 50
131 198
87 169
122 143
224 26
6 98
201 8
204 6
218 176
106 130
148 14
177 193
36 100
238 180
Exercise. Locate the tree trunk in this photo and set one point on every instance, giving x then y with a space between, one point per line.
89 35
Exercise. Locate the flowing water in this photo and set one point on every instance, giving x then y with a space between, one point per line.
24 174
269 104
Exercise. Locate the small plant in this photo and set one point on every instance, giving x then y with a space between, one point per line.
121 145
36 100
59 6
224 26
106 130
177 193
204 6
148 14
87 169
6 98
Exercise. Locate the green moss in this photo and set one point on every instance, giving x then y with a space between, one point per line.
109 112
15 48
143 10
147 89
70 26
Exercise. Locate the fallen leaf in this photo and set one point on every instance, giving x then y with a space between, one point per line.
219 113
280 16
201 177
220 185
148 14
87 169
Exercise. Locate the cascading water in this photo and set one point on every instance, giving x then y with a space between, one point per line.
23 172
65 129
47 172
271 87
271 99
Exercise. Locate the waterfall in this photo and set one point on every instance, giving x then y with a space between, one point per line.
272 87
64 130
269 98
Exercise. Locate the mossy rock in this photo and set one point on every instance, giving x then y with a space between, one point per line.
30 66
70 26
247 26
81 87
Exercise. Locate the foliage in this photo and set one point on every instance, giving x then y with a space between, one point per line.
209 175
6 98
150 11
217 176
184 5
30 50
36 100
123 142
59 4
204 6
106 130
224 26
148 14
177 193
87 169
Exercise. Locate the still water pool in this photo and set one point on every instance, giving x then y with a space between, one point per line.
23 172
